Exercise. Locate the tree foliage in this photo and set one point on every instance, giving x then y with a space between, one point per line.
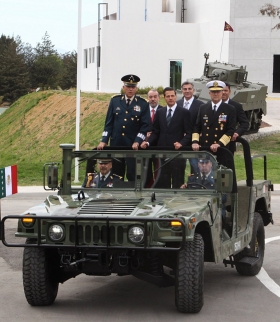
23 68
271 11
14 80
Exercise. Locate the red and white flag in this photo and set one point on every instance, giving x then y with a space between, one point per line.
8 181
227 27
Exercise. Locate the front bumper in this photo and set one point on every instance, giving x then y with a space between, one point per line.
99 232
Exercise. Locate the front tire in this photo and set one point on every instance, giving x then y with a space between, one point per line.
257 245
189 282
39 271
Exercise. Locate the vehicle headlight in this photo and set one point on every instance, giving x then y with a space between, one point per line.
56 232
136 234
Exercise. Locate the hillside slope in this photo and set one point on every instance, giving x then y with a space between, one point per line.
34 126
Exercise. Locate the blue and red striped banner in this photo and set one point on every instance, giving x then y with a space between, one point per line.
8 181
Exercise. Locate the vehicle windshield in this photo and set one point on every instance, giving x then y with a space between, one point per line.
151 170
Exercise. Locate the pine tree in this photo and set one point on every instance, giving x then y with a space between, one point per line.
69 70
47 65
14 76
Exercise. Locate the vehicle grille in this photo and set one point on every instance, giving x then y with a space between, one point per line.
97 234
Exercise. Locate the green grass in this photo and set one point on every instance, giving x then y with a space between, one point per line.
25 147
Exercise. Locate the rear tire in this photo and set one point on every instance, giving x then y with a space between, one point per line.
189 281
257 245
39 271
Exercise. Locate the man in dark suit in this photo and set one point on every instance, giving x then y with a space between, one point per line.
216 121
189 102
242 123
105 178
171 128
153 99
126 124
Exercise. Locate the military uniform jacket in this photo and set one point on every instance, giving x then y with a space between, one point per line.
94 181
208 183
126 125
217 128
179 129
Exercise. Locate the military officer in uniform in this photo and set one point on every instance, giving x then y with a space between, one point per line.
204 177
126 124
216 121
105 178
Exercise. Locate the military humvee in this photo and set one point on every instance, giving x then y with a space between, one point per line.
159 235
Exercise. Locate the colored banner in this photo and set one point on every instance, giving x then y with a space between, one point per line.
8 181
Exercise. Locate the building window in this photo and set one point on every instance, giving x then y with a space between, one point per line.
85 58
164 6
89 56
92 53
175 74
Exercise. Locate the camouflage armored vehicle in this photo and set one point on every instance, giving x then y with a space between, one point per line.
252 96
159 235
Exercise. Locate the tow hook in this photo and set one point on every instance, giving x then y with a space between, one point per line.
123 260
80 261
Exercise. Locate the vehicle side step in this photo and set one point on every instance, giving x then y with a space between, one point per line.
249 261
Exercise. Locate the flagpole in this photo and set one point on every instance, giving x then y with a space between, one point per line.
78 90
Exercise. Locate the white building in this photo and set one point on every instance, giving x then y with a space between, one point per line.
164 41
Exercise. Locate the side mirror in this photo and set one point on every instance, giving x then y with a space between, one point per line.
224 180
52 176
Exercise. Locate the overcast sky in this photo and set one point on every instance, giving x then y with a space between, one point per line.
30 19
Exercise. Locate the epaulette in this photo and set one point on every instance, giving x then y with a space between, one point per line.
115 175
116 95
142 98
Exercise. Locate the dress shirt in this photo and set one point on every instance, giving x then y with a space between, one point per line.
189 103
217 105
173 108
131 99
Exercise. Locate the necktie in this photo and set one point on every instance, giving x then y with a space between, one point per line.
127 102
214 109
102 179
168 118
153 115
186 105
203 179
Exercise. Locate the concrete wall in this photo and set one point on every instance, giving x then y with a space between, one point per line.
147 51
253 43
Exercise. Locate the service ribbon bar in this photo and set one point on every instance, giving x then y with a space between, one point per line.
8 181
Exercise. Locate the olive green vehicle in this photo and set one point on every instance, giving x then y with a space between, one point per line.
162 236
252 96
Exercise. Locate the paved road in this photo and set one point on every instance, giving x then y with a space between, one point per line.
228 296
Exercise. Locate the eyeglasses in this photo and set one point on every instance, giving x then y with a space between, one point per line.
204 162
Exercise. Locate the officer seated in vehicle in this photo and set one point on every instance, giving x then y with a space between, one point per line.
204 178
104 178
